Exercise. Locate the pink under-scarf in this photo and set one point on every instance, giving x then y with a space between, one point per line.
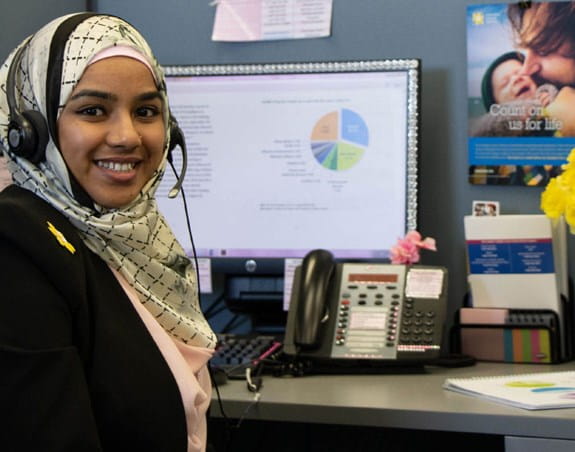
188 365
122 50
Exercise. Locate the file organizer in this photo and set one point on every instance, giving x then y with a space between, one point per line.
519 262
509 335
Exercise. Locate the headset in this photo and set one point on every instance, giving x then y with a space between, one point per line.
28 130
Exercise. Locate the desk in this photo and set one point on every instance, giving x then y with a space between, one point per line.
408 401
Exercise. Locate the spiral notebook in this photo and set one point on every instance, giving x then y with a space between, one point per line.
536 391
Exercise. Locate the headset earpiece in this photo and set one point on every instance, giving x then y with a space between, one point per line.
28 135
27 130
176 135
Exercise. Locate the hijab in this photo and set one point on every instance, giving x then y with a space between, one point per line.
135 240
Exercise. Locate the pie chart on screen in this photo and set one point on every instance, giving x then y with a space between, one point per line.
339 139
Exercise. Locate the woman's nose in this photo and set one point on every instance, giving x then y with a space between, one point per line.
531 64
122 132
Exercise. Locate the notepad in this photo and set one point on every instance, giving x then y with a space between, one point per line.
537 391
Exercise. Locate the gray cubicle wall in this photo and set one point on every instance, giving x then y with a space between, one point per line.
20 18
432 30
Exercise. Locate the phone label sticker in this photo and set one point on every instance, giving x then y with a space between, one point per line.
424 283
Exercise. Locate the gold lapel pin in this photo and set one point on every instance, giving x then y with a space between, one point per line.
60 237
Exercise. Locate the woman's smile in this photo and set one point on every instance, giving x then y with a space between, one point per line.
116 166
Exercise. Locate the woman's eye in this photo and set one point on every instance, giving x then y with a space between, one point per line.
543 51
148 112
91 111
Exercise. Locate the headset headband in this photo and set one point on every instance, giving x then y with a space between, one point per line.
28 130
13 138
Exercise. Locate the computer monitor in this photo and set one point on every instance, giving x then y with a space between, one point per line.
285 158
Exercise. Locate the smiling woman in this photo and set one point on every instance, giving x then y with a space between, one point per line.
105 346
112 132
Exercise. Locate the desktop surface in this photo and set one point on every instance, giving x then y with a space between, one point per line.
409 401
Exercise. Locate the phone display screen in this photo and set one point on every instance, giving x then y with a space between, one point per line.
373 277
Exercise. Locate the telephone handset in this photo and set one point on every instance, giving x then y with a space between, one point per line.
365 311
316 273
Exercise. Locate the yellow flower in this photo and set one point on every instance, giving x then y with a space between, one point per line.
567 178
553 199
558 198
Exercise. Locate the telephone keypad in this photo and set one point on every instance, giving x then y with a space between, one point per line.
420 330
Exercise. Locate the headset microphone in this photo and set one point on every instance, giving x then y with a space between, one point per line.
177 139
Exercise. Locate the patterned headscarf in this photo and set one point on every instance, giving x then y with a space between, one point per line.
135 239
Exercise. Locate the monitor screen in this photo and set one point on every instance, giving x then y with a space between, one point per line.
286 158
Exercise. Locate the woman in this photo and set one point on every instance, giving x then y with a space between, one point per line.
102 342
544 33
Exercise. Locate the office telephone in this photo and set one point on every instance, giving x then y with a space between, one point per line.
374 312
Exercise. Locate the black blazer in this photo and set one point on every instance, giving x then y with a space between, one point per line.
78 369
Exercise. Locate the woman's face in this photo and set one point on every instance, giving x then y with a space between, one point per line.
556 67
111 130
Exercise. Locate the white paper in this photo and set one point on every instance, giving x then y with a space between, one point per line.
537 391
289 270
424 283
263 20
205 271
5 176
510 292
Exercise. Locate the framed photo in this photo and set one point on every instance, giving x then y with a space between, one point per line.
485 208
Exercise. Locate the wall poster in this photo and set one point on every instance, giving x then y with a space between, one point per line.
521 91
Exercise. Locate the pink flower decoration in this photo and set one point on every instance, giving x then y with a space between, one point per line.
406 250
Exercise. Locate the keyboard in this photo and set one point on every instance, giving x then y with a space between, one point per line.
234 353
